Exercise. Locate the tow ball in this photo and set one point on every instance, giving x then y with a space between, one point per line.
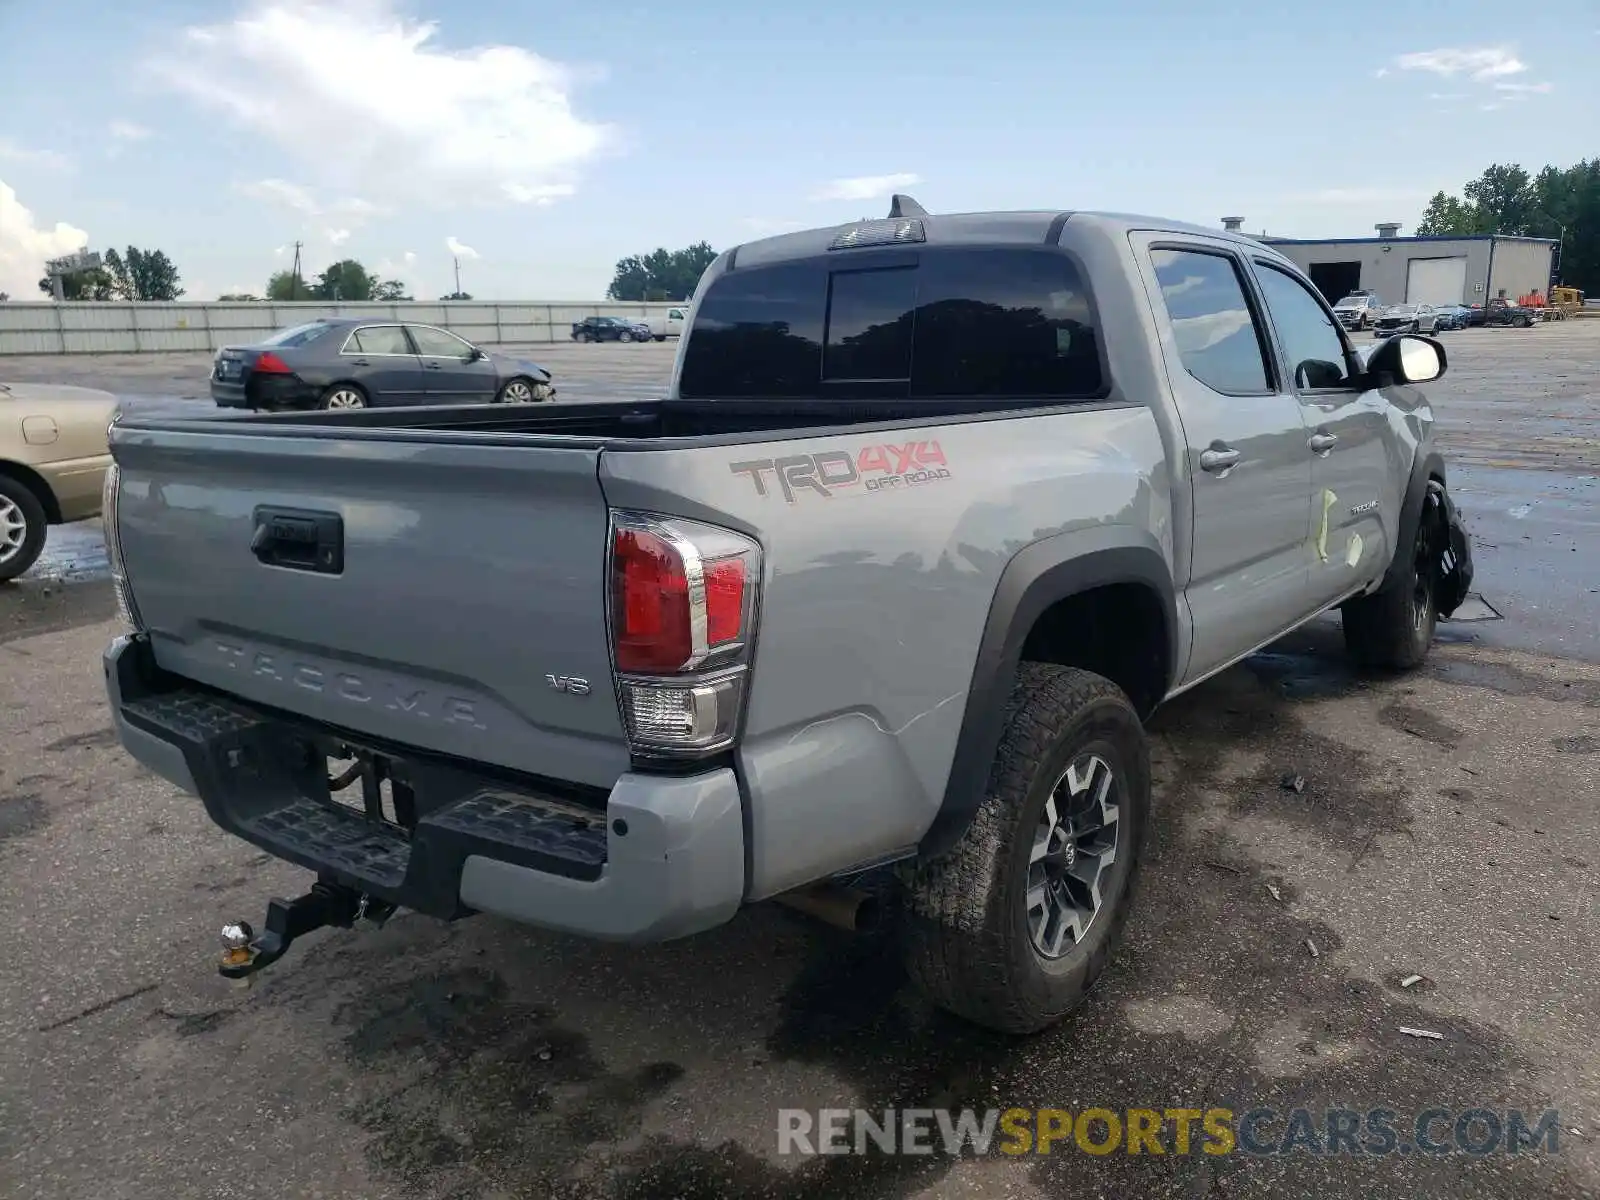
244 952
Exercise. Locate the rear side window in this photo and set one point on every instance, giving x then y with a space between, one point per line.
953 323
1217 337
379 339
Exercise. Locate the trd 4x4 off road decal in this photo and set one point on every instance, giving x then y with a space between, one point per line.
829 472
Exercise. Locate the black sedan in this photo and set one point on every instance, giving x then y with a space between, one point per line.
610 329
350 363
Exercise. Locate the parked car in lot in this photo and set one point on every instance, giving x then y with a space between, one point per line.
669 323
610 329
1358 310
53 460
980 492
1452 316
1501 311
364 363
1406 318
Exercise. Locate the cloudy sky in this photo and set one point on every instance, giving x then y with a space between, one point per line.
539 142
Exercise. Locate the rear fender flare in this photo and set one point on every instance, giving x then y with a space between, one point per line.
1428 464
1038 576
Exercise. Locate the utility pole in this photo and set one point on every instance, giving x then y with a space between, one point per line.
457 260
294 277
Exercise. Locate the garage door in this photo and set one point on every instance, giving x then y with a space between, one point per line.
1436 280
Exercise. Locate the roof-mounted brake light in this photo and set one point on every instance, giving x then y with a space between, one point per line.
892 232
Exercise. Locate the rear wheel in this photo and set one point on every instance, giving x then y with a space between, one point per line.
22 527
1014 925
343 395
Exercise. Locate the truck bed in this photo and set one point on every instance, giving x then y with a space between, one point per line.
600 424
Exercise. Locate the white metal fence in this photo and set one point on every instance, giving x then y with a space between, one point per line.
119 328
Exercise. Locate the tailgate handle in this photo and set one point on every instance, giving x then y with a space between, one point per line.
299 539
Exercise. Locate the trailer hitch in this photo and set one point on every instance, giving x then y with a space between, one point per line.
244 952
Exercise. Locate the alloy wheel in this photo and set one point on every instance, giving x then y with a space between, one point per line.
13 529
518 392
1074 845
347 398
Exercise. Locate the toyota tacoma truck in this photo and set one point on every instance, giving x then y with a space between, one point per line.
936 510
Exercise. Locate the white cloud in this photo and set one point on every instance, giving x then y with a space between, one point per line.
865 187
1446 97
1486 62
127 131
459 249
1525 89
369 100
24 247
1381 73
409 257
334 221
11 151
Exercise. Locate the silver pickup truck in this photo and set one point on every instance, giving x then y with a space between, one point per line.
936 511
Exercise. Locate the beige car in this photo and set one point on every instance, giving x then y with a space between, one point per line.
53 461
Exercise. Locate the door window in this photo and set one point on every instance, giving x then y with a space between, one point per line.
1218 337
1311 339
379 339
436 343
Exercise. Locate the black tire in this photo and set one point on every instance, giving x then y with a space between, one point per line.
1524 323
1392 629
661 337
968 936
625 336
18 500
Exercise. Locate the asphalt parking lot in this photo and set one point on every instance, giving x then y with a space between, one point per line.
1445 828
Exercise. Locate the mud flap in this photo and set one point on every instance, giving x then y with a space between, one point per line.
1455 550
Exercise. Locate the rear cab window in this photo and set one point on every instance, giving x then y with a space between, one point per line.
930 324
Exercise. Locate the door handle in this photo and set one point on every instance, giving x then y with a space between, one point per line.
1321 443
431 366
1219 461
359 362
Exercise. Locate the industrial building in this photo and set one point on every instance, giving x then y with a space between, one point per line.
1420 270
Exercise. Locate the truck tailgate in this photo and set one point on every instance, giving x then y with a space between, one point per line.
466 618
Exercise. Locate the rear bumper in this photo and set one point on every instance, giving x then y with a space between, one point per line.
664 859
271 392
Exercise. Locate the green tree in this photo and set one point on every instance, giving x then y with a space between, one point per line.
1503 197
389 289
345 280
1447 215
142 275
457 296
286 285
80 285
662 274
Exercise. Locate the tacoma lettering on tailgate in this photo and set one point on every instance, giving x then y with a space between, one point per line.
351 688
879 468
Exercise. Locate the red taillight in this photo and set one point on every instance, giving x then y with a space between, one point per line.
650 602
724 601
683 602
269 363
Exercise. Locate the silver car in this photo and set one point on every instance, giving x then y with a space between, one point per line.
1406 318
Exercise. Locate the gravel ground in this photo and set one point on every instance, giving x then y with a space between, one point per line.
1445 827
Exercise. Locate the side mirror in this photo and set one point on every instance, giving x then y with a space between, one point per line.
475 354
1407 359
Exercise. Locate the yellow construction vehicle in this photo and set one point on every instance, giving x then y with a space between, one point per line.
1565 302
